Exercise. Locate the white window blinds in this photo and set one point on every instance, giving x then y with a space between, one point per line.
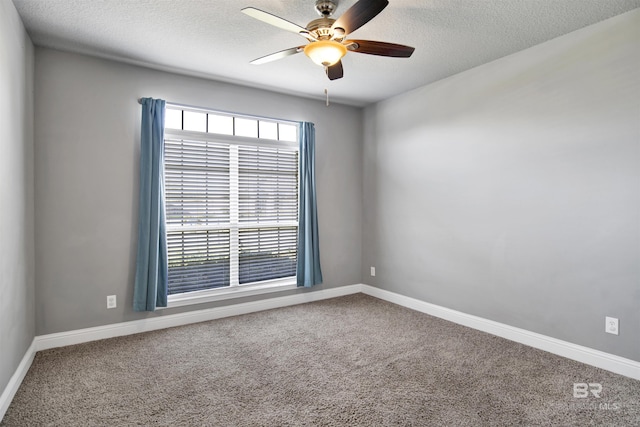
231 211
268 212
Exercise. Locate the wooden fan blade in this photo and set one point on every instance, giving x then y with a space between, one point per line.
274 20
278 55
359 14
380 48
335 71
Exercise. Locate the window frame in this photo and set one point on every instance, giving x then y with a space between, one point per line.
233 290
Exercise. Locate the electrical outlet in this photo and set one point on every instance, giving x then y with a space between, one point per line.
373 271
611 325
111 301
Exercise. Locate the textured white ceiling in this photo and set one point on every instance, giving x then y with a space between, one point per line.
213 39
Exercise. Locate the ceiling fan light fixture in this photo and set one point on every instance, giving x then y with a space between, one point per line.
325 52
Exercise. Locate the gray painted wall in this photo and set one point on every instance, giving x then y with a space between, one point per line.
512 191
17 317
87 152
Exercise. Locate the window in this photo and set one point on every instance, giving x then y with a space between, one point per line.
231 196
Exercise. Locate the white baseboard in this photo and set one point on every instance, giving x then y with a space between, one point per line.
61 339
599 359
16 379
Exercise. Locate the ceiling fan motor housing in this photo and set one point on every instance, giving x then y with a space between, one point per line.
321 28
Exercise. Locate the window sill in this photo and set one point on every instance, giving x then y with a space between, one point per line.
200 297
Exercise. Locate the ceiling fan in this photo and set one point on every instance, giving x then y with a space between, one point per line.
328 37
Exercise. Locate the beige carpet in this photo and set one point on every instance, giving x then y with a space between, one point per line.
347 361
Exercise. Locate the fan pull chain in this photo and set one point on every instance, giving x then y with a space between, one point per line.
326 92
